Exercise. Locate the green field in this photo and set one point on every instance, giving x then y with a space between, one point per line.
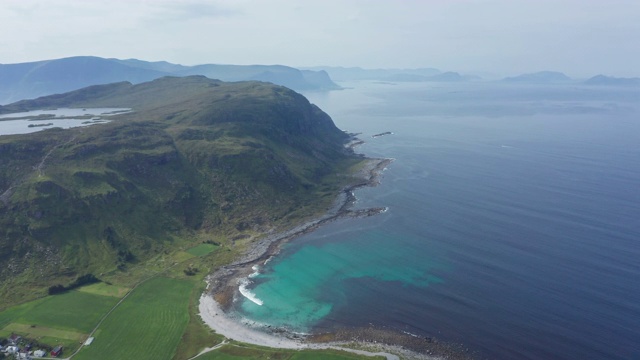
37 332
64 319
74 311
233 352
156 321
147 325
202 249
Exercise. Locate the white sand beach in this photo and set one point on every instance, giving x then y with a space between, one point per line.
218 320
213 316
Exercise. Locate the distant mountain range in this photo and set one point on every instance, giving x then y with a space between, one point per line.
549 77
394 75
33 79
613 81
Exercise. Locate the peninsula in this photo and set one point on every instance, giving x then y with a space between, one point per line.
107 226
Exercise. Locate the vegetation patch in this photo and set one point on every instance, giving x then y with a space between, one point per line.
105 289
198 335
202 249
147 325
181 256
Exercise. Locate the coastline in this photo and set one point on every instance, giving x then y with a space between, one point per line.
222 288
222 284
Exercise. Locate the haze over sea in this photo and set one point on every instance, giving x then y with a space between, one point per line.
513 223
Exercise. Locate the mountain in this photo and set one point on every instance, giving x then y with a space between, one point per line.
30 80
195 159
540 77
612 81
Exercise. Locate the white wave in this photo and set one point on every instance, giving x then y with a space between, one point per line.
256 271
247 293
410 334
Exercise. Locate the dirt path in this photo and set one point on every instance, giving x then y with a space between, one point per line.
39 168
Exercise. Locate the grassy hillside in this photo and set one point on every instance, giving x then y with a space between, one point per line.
197 160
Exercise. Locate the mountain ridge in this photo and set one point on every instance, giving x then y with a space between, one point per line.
40 78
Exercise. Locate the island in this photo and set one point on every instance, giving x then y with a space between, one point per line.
382 134
39 125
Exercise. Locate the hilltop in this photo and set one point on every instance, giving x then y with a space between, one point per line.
196 160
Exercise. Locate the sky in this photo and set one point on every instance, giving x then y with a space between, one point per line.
504 37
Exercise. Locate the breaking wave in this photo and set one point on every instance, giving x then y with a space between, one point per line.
247 293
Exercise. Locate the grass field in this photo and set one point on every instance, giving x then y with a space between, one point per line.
233 352
63 319
74 311
202 249
147 325
37 332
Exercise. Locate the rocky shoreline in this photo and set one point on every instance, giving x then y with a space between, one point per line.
222 284
222 287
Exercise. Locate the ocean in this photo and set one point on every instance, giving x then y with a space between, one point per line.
513 224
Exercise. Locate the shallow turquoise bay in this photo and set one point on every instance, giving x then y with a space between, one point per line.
302 287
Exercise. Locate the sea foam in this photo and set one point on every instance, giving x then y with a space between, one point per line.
247 293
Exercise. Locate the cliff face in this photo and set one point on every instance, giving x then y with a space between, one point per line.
196 156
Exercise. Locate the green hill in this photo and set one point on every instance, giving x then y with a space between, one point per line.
196 159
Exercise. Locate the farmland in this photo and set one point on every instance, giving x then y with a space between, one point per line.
64 319
148 325
157 320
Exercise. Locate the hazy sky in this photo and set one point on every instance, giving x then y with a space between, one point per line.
578 37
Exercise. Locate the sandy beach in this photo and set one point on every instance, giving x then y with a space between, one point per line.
221 323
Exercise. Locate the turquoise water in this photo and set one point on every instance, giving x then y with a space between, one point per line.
302 286
512 224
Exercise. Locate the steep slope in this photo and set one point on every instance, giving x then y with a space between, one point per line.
196 158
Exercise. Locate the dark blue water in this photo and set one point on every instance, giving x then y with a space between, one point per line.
513 223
